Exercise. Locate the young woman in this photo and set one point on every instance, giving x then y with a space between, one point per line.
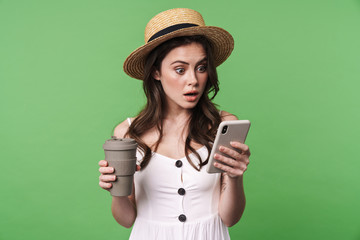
173 196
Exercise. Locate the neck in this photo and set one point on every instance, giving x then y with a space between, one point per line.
177 115
175 125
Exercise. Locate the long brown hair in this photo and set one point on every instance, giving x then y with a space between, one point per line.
205 117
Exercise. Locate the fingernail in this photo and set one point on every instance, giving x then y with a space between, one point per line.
114 178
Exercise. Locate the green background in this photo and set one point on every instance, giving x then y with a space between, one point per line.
294 73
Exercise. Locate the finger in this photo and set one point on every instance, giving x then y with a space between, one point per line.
243 167
243 147
106 169
103 163
107 178
105 185
232 172
230 152
228 161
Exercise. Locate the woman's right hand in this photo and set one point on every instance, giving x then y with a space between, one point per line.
106 178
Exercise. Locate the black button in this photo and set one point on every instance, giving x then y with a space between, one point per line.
178 163
182 218
181 191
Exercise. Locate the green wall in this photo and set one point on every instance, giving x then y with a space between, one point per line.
294 73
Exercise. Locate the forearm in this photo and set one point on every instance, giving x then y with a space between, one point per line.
123 210
232 200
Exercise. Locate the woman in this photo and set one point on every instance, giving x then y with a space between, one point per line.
173 195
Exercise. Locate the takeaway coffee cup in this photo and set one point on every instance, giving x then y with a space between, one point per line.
120 153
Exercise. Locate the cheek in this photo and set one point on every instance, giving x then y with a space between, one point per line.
203 79
172 83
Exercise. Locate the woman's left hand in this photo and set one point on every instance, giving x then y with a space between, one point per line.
237 162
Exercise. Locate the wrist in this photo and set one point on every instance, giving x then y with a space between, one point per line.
234 179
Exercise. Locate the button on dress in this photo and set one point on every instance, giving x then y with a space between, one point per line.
176 202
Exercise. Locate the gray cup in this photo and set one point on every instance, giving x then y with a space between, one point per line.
120 153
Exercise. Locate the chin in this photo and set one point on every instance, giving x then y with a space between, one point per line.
190 105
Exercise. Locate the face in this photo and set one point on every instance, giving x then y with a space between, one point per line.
183 75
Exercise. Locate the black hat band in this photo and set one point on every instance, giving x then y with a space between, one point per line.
171 29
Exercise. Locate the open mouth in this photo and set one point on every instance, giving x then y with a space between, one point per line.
191 94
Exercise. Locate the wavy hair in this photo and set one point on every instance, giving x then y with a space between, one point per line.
205 117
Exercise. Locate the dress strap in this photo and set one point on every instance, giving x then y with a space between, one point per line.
129 121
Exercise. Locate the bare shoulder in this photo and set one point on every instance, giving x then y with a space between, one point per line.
225 116
121 129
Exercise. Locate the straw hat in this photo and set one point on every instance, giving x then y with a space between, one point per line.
175 23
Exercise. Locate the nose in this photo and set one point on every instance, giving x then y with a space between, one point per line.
192 78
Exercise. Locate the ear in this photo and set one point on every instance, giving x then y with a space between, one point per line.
156 75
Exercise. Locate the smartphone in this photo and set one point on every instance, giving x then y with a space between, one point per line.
227 131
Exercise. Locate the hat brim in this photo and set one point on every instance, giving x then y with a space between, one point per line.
222 44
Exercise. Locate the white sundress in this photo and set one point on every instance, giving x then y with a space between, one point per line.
176 202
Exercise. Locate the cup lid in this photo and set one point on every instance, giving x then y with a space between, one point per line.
120 144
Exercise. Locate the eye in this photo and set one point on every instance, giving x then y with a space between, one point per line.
202 68
180 70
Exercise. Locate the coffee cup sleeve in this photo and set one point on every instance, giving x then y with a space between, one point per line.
123 167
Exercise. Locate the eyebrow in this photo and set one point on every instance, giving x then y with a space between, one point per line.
179 61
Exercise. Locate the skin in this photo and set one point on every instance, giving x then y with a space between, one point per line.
183 70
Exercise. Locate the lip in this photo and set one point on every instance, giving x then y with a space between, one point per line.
191 98
192 92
